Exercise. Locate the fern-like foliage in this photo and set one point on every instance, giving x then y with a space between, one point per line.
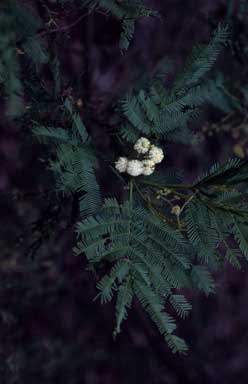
167 114
232 172
127 11
75 163
18 37
202 59
213 215
149 260
200 231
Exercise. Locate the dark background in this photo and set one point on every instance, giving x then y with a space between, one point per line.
51 331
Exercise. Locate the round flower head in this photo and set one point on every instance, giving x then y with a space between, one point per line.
142 145
156 154
148 167
121 164
176 210
148 171
134 167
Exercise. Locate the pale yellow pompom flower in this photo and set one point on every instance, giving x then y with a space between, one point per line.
121 164
156 154
134 168
148 167
176 210
142 145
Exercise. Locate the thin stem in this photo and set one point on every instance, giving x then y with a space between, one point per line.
130 213
64 27
188 201
183 196
172 186
167 201
140 193
179 223
69 26
131 193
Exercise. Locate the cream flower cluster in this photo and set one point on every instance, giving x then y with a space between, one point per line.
152 155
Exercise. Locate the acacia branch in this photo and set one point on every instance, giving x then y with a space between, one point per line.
64 28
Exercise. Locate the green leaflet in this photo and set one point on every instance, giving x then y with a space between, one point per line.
202 279
240 231
200 231
232 256
181 305
108 282
123 303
